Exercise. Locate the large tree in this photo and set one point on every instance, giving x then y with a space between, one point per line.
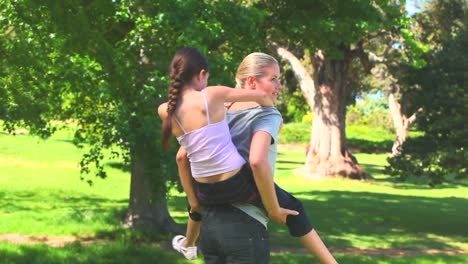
338 34
104 65
440 89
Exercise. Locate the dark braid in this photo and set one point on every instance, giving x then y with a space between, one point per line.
173 96
187 62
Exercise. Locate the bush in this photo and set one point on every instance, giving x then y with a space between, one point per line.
428 162
362 138
295 133
369 139
353 115
307 118
378 118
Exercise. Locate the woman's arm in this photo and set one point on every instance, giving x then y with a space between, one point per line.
258 159
185 175
227 94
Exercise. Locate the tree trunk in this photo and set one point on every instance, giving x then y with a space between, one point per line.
328 153
401 123
326 95
147 208
147 211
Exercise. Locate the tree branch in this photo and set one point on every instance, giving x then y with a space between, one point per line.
412 118
306 83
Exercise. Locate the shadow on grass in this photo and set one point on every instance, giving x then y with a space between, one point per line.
288 258
397 183
96 253
289 162
394 220
119 165
372 169
60 209
76 205
63 210
65 140
367 146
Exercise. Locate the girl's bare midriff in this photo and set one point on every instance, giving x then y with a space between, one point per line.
218 177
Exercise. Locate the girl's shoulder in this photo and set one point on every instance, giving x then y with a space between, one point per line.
162 110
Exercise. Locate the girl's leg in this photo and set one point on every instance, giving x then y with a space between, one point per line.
238 188
186 244
192 233
193 228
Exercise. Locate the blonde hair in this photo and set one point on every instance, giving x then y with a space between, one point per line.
254 65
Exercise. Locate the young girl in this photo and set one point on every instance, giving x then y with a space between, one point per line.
220 172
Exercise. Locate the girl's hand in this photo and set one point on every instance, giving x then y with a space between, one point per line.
195 207
266 101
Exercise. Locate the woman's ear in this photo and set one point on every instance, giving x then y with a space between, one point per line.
250 82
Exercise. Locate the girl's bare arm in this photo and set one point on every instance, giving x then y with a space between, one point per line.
227 94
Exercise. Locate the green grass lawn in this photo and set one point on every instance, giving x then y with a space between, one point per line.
42 194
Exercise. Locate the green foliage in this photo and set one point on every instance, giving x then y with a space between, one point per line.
307 118
372 112
292 104
295 133
426 162
353 115
105 66
441 154
368 139
328 25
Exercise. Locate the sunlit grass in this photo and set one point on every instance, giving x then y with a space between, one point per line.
42 194
376 213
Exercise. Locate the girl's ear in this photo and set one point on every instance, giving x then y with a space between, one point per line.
202 74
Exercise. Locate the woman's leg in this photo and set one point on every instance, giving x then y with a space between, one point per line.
315 245
301 227
230 236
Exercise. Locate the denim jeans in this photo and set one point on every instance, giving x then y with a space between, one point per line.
230 236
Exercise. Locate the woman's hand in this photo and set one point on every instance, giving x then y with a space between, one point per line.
280 215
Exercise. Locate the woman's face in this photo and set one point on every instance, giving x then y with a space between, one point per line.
270 82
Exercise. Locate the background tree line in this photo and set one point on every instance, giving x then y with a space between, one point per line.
102 67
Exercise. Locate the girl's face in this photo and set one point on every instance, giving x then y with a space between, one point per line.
270 82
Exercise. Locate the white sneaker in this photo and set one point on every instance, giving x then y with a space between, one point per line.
189 252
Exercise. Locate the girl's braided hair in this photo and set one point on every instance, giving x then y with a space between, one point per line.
186 63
